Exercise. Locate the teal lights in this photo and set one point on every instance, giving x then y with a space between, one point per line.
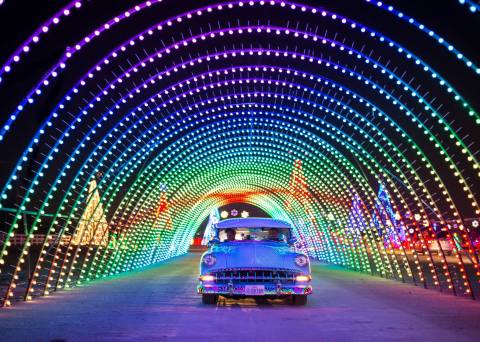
221 104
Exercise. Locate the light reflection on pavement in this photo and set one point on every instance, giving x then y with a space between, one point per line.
160 303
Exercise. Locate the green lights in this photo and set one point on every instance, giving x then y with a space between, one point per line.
185 116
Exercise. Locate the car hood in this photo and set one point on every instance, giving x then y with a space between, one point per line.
253 255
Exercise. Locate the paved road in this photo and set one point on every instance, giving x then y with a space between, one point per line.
160 304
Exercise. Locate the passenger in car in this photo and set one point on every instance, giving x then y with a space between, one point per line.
230 234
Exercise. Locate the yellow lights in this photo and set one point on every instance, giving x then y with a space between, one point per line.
303 278
208 164
207 277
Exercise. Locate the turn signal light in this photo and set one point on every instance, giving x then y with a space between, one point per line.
303 278
207 278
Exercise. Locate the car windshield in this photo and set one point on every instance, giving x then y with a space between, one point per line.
254 234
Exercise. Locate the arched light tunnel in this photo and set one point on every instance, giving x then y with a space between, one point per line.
124 125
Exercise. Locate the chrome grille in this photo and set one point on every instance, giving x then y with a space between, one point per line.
255 276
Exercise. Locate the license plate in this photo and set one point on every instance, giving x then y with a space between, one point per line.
254 290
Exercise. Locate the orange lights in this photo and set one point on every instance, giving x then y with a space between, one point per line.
303 278
207 277
245 155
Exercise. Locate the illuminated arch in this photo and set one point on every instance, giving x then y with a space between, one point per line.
190 112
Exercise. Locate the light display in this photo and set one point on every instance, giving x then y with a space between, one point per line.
209 233
385 217
151 120
92 226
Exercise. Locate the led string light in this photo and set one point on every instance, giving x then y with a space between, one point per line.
220 7
472 6
119 153
242 181
430 33
31 42
474 164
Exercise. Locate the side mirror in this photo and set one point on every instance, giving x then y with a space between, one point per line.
212 242
292 240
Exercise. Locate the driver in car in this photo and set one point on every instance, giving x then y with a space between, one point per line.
273 234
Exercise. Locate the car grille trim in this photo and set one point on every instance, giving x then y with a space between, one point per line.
255 276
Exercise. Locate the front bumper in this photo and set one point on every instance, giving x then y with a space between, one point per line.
239 289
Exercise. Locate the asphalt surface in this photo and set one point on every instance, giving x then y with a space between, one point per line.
160 303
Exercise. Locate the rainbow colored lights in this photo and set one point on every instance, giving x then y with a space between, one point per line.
157 116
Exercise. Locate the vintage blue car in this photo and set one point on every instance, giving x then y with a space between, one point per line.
254 257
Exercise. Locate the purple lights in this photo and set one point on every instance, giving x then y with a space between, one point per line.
35 38
208 102
189 15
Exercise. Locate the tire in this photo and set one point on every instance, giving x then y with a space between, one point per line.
299 300
209 299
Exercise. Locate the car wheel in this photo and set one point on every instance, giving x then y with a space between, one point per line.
299 299
208 298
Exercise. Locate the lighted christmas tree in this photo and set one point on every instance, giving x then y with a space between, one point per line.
385 216
93 226
356 220
210 230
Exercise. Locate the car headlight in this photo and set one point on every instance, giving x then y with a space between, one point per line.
303 278
207 277
209 260
301 260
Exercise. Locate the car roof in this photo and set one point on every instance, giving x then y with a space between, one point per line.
252 222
